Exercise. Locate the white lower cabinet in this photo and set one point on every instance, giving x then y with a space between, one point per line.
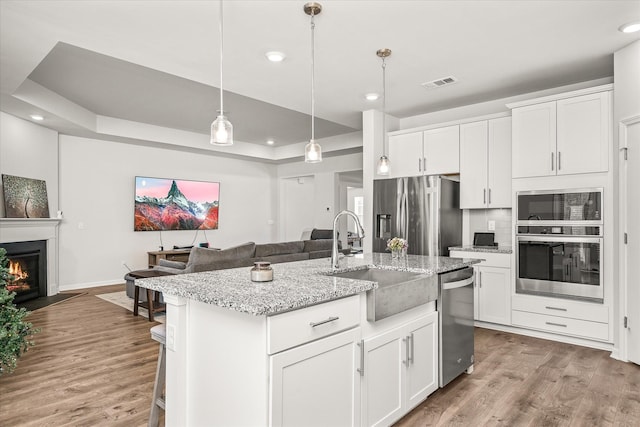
317 384
399 370
492 289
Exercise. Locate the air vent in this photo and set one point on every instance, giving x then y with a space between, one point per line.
444 81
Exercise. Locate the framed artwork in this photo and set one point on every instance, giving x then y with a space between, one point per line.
25 197
175 204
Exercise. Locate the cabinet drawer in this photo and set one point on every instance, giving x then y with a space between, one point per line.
311 323
490 259
561 308
561 325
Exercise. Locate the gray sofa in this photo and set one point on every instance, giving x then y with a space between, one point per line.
244 255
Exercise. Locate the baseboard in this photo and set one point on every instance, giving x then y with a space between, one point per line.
547 336
90 285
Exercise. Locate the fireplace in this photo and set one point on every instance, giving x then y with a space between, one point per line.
28 266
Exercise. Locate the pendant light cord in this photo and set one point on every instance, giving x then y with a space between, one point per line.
384 107
221 58
313 77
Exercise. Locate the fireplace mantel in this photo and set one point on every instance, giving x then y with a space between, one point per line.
26 229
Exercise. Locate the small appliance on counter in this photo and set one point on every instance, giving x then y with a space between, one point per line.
484 239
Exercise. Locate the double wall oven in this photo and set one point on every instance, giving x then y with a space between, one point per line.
559 244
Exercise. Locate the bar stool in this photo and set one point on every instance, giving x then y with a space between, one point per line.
158 333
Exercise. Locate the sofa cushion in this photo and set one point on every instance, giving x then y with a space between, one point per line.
224 264
319 233
172 264
202 256
318 245
274 259
271 249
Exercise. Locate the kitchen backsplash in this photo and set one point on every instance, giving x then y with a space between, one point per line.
476 220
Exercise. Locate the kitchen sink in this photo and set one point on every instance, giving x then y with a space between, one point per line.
397 291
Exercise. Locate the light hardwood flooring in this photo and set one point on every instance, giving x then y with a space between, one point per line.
94 365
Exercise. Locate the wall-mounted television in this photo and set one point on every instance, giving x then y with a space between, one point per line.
175 204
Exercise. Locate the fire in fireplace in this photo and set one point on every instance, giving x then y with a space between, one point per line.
28 266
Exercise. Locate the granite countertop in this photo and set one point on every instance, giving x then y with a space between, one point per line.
489 249
295 285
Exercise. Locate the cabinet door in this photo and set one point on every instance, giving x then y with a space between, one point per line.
405 155
317 384
583 133
534 140
473 165
422 368
383 378
441 150
494 295
499 164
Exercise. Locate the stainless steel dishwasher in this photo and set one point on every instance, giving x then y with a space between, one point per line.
455 312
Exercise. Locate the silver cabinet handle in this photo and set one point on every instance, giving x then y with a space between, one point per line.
419 165
480 278
361 368
322 322
556 324
489 196
548 307
559 161
484 196
405 340
411 359
424 164
552 161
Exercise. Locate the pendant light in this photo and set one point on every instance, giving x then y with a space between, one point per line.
383 163
221 128
312 151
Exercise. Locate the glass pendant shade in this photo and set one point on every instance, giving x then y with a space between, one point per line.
312 152
383 165
221 131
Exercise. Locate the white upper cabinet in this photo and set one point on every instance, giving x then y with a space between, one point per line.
431 152
485 164
563 137
441 150
583 134
405 155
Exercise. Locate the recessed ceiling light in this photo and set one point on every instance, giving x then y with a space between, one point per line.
37 117
270 141
631 27
372 96
275 56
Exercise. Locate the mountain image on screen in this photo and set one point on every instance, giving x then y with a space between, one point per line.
174 212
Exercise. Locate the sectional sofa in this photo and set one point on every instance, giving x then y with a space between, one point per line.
244 255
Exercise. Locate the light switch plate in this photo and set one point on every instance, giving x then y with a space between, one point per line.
491 225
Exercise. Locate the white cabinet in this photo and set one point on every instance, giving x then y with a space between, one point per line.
317 384
400 369
485 164
493 290
562 137
441 150
430 152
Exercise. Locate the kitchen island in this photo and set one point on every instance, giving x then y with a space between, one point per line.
294 351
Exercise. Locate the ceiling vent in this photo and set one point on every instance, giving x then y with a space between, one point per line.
444 81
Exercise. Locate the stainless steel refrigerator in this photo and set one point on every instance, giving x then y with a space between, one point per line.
425 210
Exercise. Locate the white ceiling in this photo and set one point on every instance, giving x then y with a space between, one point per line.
156 62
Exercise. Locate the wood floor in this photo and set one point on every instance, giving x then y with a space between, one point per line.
94 365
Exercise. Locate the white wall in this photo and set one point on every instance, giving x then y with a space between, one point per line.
297 213
97 197
326 201
30 151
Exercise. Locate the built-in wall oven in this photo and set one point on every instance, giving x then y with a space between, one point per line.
559 238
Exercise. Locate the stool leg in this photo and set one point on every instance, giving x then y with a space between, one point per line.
150 304
136 299
157 401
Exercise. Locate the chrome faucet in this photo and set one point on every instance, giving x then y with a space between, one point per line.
334 249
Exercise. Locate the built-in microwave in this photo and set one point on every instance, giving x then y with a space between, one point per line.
555 206
559 240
